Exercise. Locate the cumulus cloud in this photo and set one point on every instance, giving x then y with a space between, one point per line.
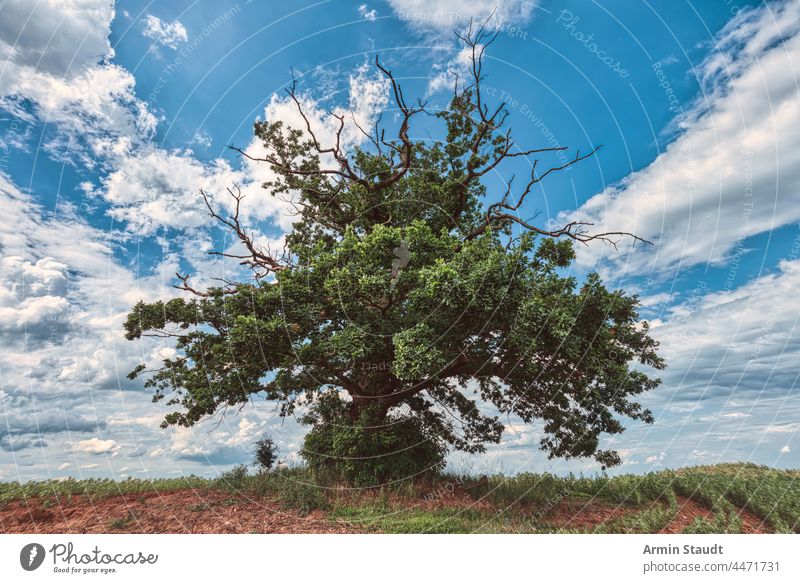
22 431
62 306
444 76
231 442
734 169
156 188
57 70
96 446
168 34
74 381
32 298
53 37
366 13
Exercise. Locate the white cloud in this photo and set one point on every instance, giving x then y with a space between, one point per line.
152 188
30 293
69 299
735 415
156 187
366 13
736 342
32 311
734 170
74 381
444 76
168 34
53 37
783 428
785 449
441 17
655 300
57 59
64 466
96 446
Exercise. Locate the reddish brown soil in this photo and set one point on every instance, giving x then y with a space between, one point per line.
210 511
584 514
689 510
182 511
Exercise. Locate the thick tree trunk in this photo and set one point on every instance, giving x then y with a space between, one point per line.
378 408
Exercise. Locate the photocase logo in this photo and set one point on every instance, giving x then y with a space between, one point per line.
31 556
402 256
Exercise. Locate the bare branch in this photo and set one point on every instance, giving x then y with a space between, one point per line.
186 287
503 213
260 261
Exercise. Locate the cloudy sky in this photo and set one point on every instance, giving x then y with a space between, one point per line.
113 116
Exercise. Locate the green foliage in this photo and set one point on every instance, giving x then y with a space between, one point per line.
371 455
771 494
540 490
723 523
94 488
376 518
651 519
636 490
123 522
266 453
295 488
234 480
303 496
410 290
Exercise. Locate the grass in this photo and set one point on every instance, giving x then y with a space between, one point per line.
522 503
93 488
377 518
770 494
123 522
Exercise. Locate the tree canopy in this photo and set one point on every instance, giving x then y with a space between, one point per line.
408 296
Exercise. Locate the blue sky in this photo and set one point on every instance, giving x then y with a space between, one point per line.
113 116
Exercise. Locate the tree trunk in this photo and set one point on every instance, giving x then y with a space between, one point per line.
378 408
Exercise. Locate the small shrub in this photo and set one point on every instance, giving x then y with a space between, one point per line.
540 490
266 453
303 497
122 523
233 480
723 523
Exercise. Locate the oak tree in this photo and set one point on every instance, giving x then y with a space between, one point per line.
412 308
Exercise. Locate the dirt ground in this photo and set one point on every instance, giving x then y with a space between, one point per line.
183 511
212 511
688 510
577 514
580 514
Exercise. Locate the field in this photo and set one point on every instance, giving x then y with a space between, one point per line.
727 498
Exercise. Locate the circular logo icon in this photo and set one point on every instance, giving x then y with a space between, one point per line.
31 556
